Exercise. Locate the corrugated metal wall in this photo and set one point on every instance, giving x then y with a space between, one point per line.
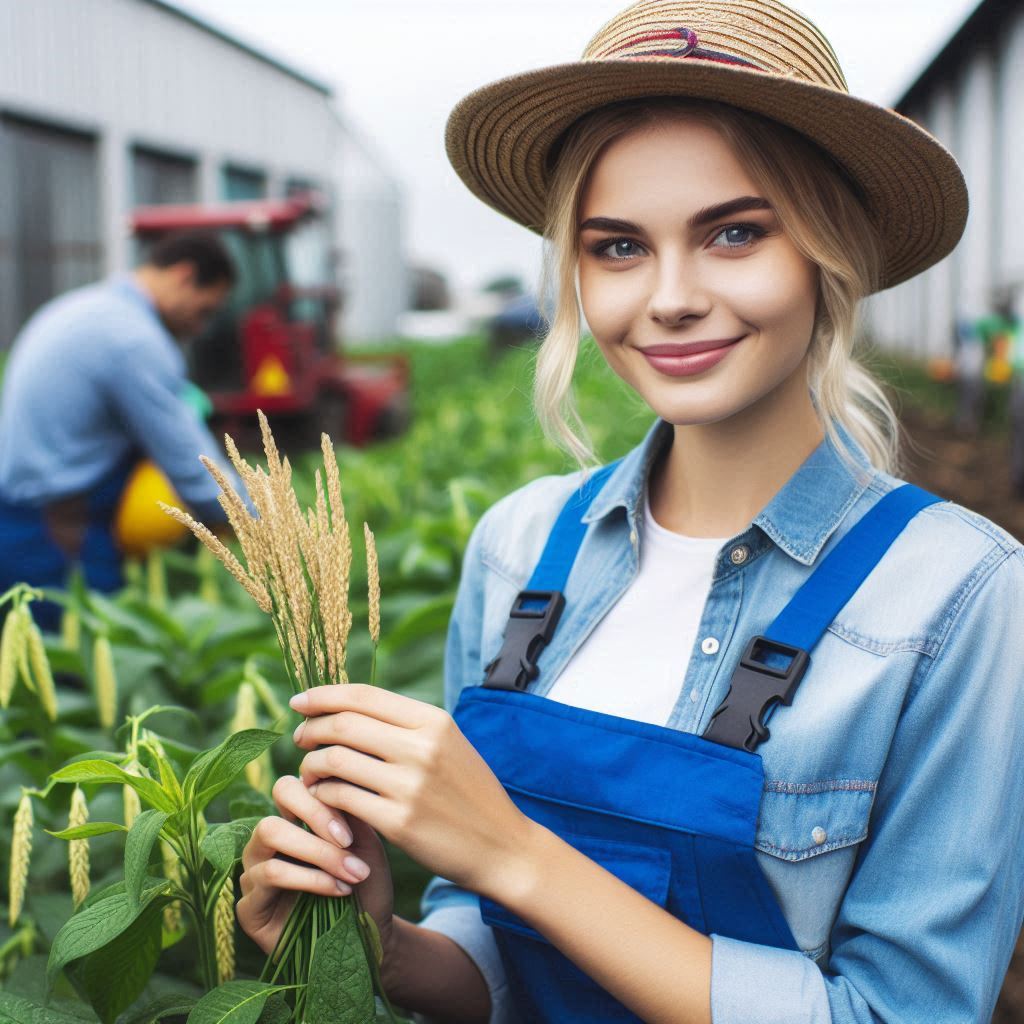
977 112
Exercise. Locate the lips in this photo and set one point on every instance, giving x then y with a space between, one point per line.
691 348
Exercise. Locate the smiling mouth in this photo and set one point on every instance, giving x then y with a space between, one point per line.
692 348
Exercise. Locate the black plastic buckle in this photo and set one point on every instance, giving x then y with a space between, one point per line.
754 691
527 634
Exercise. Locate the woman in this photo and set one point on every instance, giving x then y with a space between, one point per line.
616 832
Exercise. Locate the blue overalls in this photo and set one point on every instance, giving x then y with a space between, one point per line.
671 814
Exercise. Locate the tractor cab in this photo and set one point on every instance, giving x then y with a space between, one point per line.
273 346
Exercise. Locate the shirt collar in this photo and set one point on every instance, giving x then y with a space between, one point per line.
800 518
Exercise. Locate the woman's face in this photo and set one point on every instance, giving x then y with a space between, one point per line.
694 293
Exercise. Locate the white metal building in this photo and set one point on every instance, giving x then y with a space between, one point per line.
108 104
971 97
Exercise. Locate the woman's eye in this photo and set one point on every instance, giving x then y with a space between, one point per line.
738 236
619 249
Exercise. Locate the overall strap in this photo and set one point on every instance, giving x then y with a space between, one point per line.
773 664
537 609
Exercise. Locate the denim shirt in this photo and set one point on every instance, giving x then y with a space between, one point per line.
891 825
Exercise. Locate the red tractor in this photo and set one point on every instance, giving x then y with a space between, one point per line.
273 345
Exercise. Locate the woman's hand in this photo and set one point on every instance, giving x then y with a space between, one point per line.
404 768
340 852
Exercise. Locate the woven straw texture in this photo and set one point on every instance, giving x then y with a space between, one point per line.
499 137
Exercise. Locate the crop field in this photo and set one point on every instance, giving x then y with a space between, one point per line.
138 746
167 699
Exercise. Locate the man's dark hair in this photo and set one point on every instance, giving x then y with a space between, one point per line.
203 250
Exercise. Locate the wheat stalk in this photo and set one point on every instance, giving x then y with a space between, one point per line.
373 584
172 872
70 629
78 849
21 853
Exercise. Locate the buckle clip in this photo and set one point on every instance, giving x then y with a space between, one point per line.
531 624
755 690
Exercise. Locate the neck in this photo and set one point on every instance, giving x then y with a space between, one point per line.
717 476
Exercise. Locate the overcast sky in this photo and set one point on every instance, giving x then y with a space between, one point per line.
398 67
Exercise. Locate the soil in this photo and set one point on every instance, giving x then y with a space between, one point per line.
972 472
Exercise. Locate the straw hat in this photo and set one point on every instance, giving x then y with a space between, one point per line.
755 54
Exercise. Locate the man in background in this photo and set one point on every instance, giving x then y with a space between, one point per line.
95 383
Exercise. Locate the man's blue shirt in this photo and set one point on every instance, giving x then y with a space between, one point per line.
93 377
891 825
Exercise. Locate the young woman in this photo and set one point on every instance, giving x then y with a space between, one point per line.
618 833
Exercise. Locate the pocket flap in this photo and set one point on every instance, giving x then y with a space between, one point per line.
800 820
644 868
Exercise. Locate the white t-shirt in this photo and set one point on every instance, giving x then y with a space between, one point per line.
634 662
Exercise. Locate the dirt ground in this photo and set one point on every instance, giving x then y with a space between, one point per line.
973 473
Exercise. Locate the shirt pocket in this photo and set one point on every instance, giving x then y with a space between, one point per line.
644 868
808 836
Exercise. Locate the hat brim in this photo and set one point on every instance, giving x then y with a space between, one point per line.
498 139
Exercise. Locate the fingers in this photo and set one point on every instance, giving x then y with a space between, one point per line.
275 836
337 762
261 880
379 813
371 701
370 735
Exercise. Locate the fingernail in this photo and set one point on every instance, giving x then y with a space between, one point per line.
299 701
297 735
341 835
343 887
356 867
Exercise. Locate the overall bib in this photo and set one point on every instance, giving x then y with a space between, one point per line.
671 814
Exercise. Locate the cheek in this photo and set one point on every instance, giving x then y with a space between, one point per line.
784 299
610 302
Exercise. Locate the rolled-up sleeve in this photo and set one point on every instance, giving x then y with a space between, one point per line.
928 924
446 907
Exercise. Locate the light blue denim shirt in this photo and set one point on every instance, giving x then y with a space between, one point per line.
891 826
93 377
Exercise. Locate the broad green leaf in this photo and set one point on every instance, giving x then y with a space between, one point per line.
340 984
137 850
213 771
277 1011
236 1002
87 831
169 1004
222 846
17 1010
103 771
113 977
101 922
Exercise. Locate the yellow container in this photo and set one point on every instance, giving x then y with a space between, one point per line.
140 524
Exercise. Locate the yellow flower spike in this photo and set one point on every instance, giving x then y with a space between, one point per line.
224 932
41 672
21 853
105 681
12 642
78 849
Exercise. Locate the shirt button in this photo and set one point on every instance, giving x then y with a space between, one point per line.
694 695
739 554
709 645
819 835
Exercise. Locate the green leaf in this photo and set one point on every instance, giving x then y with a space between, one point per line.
16 1010
428 619
340 984
213 771
222 846
137 850
103 771
236 1002
169 1004
113 977
101 922
87 831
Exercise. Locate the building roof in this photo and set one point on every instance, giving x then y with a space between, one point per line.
980 27
205 26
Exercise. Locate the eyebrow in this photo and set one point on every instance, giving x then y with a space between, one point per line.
702 217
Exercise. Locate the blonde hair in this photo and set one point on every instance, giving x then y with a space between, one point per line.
823 217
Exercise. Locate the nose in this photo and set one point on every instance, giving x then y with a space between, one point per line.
678 295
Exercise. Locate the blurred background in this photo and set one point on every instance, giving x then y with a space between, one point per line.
377 299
